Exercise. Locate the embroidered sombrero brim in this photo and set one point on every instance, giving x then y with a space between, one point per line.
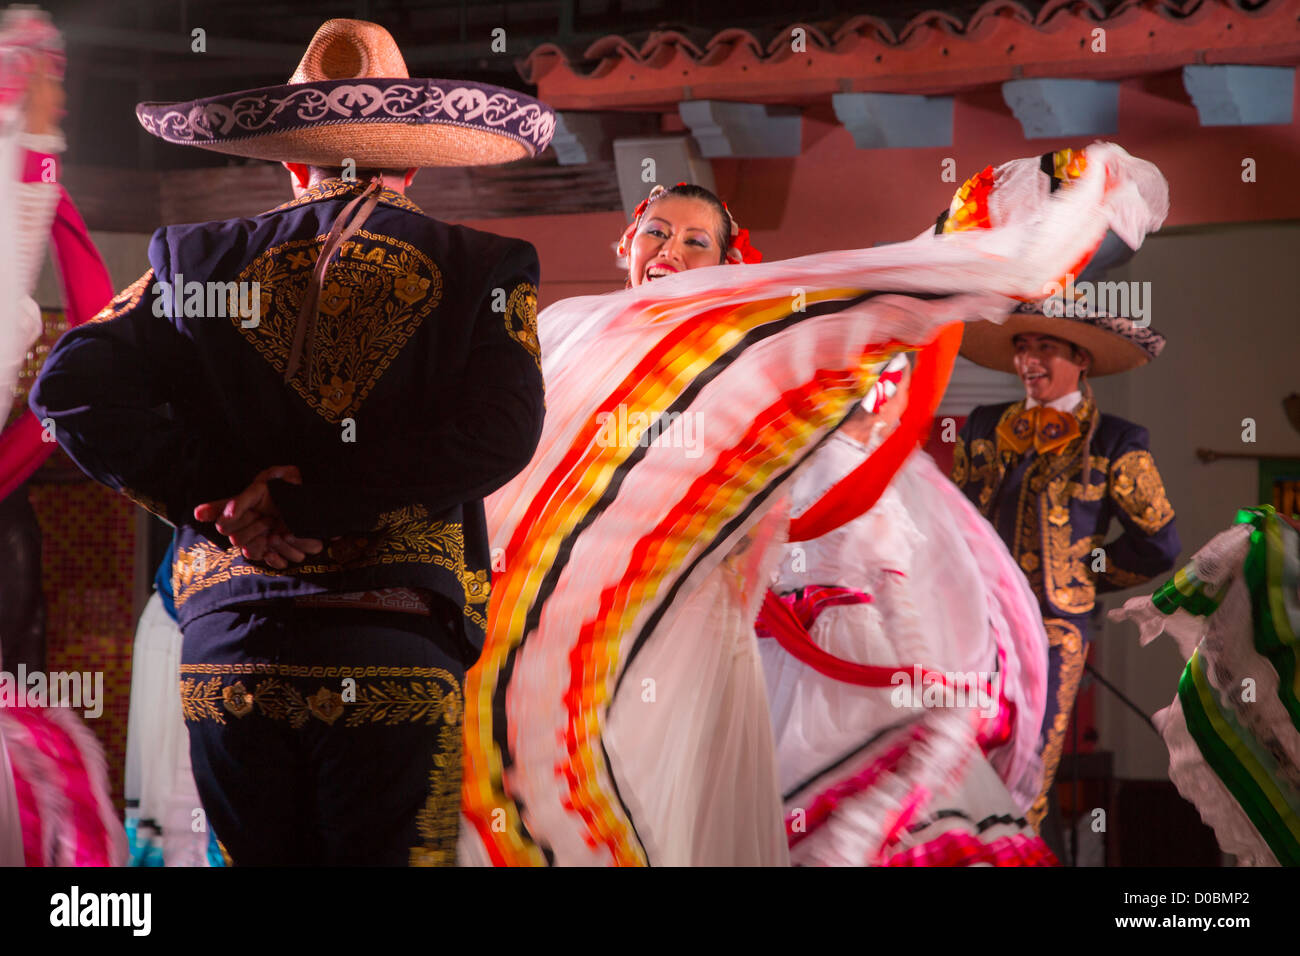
352 98
387 123
1116 344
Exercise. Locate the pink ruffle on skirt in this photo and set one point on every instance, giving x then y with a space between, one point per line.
56 791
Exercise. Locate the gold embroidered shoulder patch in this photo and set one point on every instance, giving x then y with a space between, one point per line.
126 300
1136 487
521 319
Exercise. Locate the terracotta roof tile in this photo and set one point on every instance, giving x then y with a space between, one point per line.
865 25
934 20
724 41
930 50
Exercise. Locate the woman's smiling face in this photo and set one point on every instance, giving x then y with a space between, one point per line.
677 233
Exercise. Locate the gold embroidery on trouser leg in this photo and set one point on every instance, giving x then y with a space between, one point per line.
200 699
438 698
439 822
1066 636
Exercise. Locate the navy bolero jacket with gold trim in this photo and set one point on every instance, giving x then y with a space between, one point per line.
420 392
1054 514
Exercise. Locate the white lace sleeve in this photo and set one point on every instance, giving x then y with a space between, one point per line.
26 215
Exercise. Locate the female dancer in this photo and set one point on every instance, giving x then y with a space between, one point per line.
617 713
870 772
939 764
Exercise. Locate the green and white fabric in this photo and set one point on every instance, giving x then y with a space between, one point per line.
1233 730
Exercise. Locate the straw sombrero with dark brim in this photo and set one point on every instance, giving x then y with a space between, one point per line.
1116 344
351 98
1019 189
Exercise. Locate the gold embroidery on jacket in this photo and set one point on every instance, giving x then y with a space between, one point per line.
1068 579
1120 578
1028 539
1062 575
1092 490
521 319
960 464
476 585
330 188
477 617
985 471
402 536
373 299
151 505
1136 487
478 588
1006 456
126 300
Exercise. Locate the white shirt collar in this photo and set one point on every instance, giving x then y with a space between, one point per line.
1066 403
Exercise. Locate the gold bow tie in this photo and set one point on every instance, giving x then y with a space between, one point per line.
1047 429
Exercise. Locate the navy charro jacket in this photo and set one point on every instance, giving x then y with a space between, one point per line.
1054 514
421 393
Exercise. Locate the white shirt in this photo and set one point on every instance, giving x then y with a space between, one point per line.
1066 403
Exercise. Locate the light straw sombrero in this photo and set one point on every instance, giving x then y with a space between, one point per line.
1020 188
1116 344
351 98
